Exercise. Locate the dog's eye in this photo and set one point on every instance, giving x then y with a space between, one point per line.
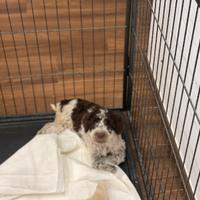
109 154
97 120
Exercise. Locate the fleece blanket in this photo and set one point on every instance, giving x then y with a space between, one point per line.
58 167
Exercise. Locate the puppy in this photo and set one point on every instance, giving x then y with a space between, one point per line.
99 128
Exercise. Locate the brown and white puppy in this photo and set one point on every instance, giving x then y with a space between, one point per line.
98 127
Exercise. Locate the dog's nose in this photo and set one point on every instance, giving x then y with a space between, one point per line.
100 136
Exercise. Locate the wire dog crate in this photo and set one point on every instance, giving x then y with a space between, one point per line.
140 58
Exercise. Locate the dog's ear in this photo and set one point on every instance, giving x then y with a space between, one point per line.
53 107
115 122
119 123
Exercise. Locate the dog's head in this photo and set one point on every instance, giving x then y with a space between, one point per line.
90 120
102 125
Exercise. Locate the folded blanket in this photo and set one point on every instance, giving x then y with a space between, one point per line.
58 167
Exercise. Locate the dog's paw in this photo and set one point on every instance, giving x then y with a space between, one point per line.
110 168
104 166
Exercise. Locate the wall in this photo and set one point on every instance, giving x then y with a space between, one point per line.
173 54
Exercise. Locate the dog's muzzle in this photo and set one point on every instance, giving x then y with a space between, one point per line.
100 136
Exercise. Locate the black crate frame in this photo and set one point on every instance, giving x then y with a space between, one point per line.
132 50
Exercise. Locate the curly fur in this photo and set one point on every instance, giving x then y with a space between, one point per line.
99 128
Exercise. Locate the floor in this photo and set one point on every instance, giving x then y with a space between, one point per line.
50 50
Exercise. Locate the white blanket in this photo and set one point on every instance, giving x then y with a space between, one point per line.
58 167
